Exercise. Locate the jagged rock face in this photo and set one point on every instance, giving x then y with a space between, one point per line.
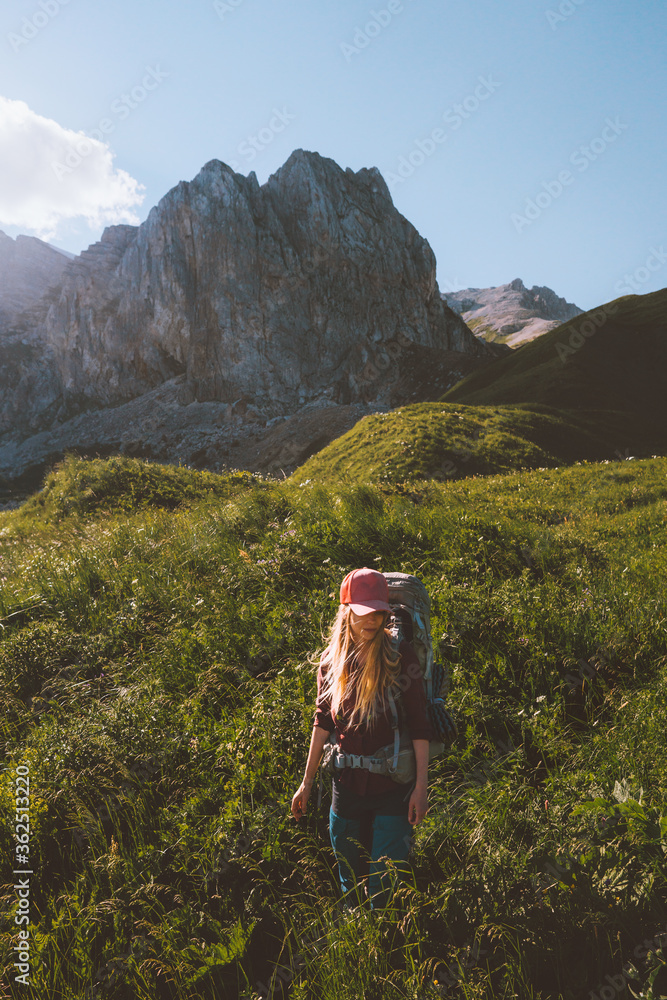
28 267
231 308
511 314
279 294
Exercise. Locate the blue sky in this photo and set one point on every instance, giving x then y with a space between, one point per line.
522 139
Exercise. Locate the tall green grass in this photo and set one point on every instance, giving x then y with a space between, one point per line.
167 863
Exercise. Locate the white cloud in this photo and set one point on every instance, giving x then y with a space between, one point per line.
49 174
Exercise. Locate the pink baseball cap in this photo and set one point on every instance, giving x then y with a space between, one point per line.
365 590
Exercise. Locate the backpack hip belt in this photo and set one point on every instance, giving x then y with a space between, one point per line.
376 765
395 760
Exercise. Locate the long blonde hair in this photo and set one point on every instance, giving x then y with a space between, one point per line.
379 670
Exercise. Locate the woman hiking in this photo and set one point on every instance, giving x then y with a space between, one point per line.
356 670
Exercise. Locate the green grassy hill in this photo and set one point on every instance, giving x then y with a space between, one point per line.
449 441
165 860
591 389
613 358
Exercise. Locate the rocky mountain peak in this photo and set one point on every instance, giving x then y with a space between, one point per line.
511 314
244 302
28 267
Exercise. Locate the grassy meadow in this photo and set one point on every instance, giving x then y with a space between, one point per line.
166 863
448 441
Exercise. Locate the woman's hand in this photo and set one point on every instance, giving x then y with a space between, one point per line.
300 800
318 738
417 806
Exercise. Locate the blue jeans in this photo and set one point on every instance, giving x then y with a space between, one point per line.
391 838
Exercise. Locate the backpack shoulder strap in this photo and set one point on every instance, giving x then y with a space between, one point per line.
394 726
395 640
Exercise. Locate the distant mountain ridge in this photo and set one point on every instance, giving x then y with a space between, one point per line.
28 267
510 314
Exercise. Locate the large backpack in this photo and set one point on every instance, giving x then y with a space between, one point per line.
410 619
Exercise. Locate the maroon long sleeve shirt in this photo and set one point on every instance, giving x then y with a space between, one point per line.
360 739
